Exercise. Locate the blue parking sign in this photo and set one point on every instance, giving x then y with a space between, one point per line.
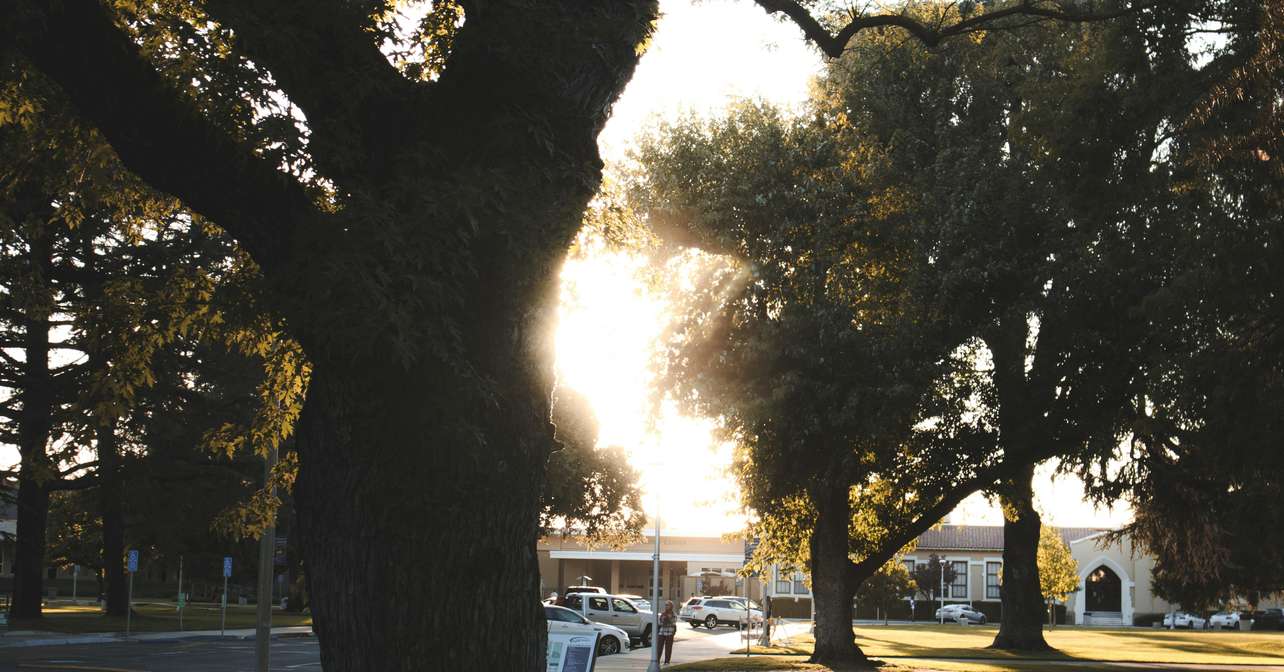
227 566
133 561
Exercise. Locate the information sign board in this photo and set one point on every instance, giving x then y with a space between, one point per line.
572 652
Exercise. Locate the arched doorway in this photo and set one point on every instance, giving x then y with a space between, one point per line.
1104 591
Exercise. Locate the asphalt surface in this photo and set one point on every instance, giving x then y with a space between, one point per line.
184 655
289 654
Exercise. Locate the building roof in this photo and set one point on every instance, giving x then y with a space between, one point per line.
985 537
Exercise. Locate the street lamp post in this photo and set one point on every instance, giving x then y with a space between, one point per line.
942 592
655 597
267 549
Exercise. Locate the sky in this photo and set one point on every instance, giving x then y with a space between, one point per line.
703 56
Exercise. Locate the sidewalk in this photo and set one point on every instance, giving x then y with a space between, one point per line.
691 647
24 638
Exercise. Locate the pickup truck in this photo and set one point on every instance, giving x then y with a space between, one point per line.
614 610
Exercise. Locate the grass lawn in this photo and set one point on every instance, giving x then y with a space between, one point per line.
1120 645
772 664
150 617
747 664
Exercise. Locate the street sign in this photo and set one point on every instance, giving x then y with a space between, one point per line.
751 545
227 566
133 561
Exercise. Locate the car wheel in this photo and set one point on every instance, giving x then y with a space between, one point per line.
711 621
608 646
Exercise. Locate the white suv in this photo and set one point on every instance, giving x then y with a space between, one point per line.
714 611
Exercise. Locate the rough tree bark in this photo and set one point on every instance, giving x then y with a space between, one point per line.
112 512
1021 623
423 299
1023 397
35 423
833 583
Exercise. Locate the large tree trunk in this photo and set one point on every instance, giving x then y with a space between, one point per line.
832 583
29 550
415 532
1021 623
35 423
111 508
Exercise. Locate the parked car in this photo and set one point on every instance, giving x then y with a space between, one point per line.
714 611
615 610
611 639
1268 619
1232 620
960 613
641 602
686 612
583 589
1184 619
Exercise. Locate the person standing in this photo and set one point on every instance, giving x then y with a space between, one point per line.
668 628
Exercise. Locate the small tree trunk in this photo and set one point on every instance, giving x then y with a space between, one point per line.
833 586
1021 623
112 510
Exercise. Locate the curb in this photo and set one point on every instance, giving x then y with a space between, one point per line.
116 638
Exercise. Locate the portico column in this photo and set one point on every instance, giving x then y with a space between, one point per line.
1080 599
615 577
1125 602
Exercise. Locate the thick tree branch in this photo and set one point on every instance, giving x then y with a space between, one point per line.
158 133
80 483
923 523
354 100
833 44
986 478
78 467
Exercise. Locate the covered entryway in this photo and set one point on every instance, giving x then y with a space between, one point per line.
1104 595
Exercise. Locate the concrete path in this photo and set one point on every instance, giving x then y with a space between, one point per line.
690 645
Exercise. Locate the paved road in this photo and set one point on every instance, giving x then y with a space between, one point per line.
289 654
190 655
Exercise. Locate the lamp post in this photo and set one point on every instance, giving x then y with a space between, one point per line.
655 595
267 550
942 591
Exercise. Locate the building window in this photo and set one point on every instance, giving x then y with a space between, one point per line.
958 589
992 585
909 566
783 584
53 573
800 588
